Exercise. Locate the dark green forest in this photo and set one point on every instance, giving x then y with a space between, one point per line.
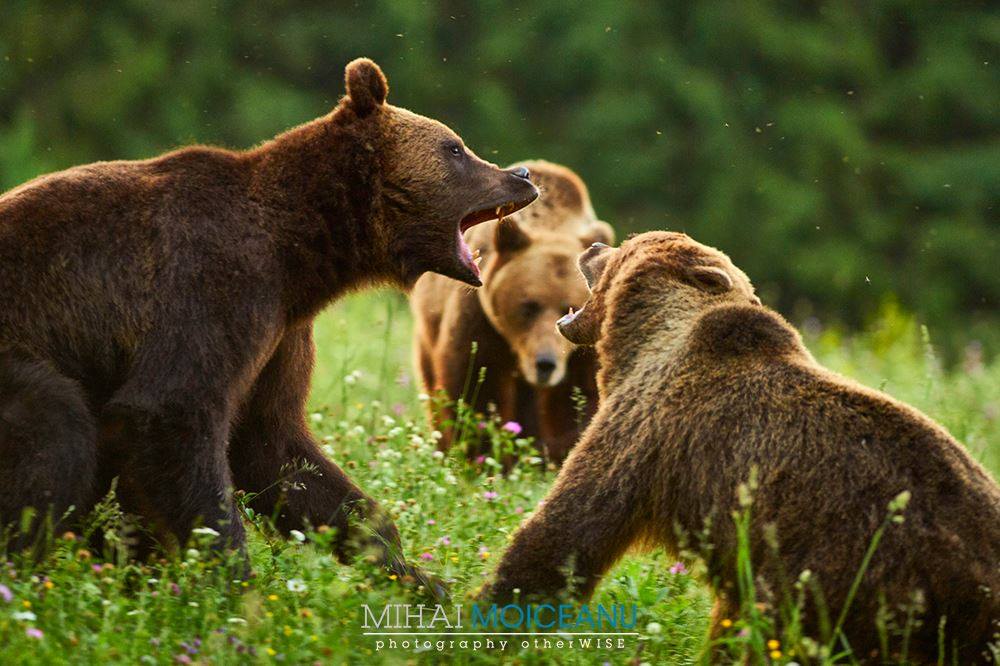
845 154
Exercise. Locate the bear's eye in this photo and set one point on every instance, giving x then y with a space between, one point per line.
530 309
455 149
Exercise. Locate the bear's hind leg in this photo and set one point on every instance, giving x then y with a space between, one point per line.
48 444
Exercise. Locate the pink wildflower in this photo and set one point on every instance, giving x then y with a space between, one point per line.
513 427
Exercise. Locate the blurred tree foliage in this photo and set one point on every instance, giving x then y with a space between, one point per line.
840 151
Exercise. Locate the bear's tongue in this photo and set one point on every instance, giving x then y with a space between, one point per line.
466 256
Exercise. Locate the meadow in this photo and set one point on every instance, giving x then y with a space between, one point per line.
302 606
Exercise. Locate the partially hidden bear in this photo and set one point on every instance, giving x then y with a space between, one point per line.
702 390
533 375
156 316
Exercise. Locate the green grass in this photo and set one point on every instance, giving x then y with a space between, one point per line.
304 607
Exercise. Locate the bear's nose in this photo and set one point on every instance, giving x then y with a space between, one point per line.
521 172
544 367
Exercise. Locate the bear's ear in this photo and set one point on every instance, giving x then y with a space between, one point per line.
709 278
509 237
598 232
366 86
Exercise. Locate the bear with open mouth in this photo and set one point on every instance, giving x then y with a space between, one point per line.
710 406
156 315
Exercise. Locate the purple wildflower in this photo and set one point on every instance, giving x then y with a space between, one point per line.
34 632
5 593
490 495
678 568
513 427
426 556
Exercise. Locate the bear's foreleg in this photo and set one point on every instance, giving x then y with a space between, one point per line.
275 458
591 516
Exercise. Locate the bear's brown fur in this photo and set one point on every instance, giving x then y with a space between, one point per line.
155 316
700 386
529 280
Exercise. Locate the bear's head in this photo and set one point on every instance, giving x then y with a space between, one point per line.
529 281
652 276
431 187
530 276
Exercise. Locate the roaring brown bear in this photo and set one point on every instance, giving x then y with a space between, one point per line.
156 316
701 389
533 375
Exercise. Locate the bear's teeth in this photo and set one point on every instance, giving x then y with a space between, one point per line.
499 212
571 311
477 260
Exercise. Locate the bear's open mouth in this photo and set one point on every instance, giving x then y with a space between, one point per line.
469 259
569 317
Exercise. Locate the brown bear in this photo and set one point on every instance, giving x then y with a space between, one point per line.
702 388
532 374
156 316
